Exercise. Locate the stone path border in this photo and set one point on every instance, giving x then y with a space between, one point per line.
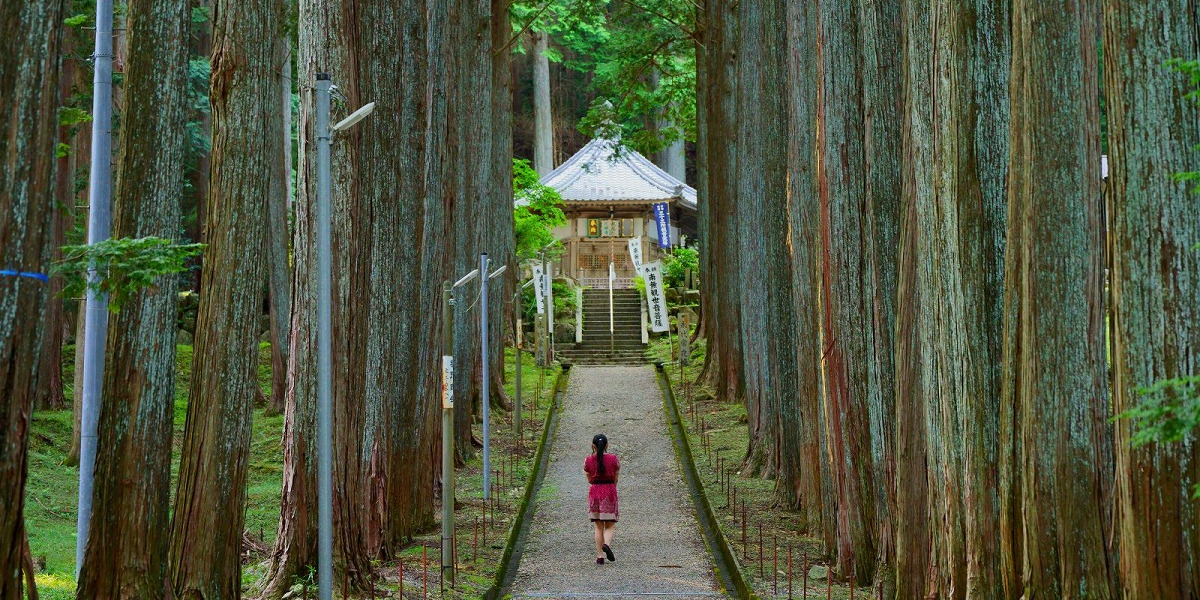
659 545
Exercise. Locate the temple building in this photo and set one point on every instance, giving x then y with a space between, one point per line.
608 193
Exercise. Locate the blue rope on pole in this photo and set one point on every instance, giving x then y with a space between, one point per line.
13 273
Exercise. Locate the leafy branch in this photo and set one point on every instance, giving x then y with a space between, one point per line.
123 266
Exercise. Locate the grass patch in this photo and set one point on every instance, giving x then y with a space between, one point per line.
52 489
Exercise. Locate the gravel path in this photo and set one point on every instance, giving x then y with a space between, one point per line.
659 550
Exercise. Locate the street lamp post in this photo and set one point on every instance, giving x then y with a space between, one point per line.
324 135
95 328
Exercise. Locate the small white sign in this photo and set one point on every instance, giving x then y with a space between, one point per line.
612 272
447 381
539 287
656 300
635 253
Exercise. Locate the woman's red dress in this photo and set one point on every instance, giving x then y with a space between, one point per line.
602 497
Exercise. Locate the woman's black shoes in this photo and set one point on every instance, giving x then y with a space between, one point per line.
599 560
609 553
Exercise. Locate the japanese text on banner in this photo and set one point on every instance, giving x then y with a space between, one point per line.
656 300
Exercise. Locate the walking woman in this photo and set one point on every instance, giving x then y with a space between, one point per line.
602 470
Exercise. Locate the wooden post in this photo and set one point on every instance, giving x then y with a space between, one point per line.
400 586
424 571
475 542
789 571
775 564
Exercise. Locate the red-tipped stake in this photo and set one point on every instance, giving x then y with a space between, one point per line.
828 583
805 588
789 572
400 570
475 542
775 562
424 571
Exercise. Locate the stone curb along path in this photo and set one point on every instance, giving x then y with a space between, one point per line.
660 553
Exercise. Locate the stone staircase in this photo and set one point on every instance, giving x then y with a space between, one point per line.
624 346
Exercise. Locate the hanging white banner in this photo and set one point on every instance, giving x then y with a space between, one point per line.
635 253
656 300
539 287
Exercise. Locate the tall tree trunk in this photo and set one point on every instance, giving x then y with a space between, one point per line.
129 533
957 150
765 294
543 122
29 63
721 223
1154 285
296 541
279 266
859 183
471 165
800 424
206 555
502 247
1054 366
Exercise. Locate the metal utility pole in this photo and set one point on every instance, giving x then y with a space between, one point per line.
485 387
447 433
324 346
548 317
485 352
518 367
99 229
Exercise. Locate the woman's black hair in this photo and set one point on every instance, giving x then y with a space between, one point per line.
600 442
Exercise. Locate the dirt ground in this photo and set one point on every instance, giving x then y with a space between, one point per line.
658 545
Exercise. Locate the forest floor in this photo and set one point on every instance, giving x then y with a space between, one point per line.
759 530
52 490
657 541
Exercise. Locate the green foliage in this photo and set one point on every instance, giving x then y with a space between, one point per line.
77 20
624 46
537 212
123 266
62 150
676 265
72 115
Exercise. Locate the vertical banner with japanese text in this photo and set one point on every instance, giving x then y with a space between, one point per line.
656 300
635 254
539 287
662 222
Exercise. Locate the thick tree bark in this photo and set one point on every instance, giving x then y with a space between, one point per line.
543 122
800 426
1154 285
29 63
470 166
721 223
279 266
859 183
502 245
1054 367
957 150
129 534
765 294
206 555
